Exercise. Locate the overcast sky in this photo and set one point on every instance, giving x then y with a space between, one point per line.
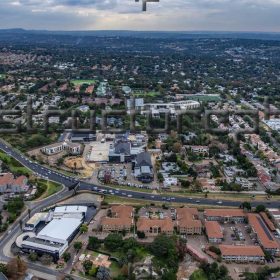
188 15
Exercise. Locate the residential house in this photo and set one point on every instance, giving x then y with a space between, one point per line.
9 184
199 149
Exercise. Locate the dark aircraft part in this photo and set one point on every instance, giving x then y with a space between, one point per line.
144 8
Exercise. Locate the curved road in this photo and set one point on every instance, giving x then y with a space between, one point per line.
68 181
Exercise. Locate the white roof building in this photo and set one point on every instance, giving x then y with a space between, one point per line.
54 238
70 209
59 230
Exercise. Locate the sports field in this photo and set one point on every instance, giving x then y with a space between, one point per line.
147 94
82 82
205 98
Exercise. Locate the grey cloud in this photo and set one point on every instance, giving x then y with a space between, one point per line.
232 15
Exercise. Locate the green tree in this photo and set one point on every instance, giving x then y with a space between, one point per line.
66 256
92 272
260 208
246 205
3 268
84 228
87 264
33 257
78 245
113 241
93 243
164 248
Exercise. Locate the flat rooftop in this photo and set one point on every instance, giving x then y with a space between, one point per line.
59 229
99 152
70 209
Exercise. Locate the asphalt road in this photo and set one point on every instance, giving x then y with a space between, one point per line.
68 181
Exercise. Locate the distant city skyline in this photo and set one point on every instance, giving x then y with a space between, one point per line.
167 15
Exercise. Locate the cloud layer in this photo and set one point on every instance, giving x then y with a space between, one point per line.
216 15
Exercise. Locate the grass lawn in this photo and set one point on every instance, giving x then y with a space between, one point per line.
20 141
146 94
48 188
186 193
199 275
115 269
206 98
81 82
13 165
142 203
142 253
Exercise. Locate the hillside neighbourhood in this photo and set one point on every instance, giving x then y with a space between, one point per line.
159 161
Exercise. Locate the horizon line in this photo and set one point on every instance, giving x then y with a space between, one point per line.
133 30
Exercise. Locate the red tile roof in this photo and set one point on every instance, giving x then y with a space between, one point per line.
213 230
187 217
232 250
121 215
224 213
266 238
268 221
8 179
144 224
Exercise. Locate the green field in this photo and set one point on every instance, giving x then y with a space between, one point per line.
49 188
147 94
14 166
201 98
198 275
2 76
82 82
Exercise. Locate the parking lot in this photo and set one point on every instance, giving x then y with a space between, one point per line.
237 234
120 174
